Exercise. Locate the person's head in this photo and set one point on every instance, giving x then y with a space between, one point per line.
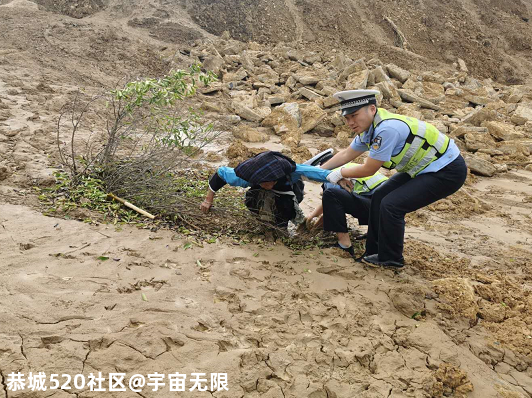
361 119
358 108
267 185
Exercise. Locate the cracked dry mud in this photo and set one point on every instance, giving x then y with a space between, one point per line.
280 324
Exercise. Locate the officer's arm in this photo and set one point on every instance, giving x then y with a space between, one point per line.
344 156
370 167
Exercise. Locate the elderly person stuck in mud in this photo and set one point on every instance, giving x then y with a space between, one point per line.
276 188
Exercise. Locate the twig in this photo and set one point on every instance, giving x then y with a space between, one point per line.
131 206
401 37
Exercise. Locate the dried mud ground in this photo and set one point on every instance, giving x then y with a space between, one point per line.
280 323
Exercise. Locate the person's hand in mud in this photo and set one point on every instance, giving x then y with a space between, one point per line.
346 184
207 202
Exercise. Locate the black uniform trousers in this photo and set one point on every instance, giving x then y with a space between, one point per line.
337 202
402 194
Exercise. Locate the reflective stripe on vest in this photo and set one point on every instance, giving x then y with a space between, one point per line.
424 145
365 184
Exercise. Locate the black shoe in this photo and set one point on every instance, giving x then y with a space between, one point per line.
349 249
373 259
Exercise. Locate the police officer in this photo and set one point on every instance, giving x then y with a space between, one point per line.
429 167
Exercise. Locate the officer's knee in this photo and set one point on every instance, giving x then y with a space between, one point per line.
388 205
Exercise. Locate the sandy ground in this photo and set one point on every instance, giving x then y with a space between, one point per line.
279 322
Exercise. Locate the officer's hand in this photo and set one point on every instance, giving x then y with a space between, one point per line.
346 184
335 176
205 206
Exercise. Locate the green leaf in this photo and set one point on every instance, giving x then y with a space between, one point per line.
103 258
187 246
198 262
143 296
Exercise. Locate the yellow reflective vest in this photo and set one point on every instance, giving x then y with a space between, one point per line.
366 184
423 146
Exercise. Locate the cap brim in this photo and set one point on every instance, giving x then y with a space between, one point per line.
348 111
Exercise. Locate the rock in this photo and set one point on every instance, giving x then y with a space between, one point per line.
409 96
515 95
388 90
275 100
477 100
490 152
284 118
240 74
448 86
476 141
411 110
4 172
433 92
480 166
434 77
307 80
213 107
311 115
480 115
513 149
340 61
296 55
458 295
233 60
309 94
292 138
501 168
462 65
248 134
233 119
246 113
329 102
397 73
291 82
237 150
300 154
312 58
211 88
214 63
357 80
526 143
324 129
440 125
233 49
502 131
248 61
355 67
343 136
521 115
379 75
337 120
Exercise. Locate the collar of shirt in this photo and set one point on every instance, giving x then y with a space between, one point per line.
368 135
